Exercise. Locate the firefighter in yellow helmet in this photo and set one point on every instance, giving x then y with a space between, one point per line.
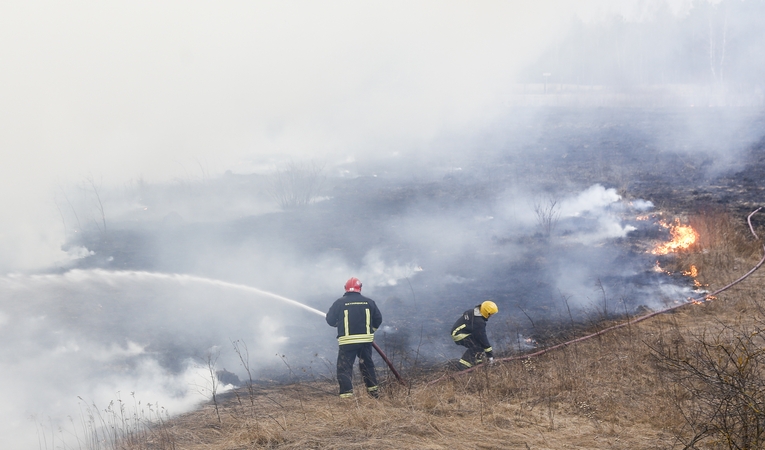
470 331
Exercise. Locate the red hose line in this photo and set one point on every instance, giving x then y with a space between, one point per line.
390 364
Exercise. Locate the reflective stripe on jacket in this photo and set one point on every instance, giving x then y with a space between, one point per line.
356 318
472 323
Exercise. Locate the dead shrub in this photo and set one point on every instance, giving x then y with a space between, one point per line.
722 379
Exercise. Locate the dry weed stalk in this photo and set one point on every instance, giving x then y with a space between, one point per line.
119 426
210 360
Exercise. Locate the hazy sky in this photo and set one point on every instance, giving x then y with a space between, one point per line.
122 90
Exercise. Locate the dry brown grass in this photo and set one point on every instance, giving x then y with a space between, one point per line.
608 392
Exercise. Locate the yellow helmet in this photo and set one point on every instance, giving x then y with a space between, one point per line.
488 308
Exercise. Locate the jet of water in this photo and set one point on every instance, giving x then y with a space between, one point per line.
210 281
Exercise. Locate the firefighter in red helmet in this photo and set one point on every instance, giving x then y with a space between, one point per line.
470 331
356 318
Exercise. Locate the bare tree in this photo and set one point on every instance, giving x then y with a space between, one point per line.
716 64
98 203
211 360
74 211
211 381
240 347
61 213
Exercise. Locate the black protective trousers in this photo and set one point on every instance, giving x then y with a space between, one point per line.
346 355
473 354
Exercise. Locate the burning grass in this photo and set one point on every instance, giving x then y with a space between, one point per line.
683 236
723 249
614 391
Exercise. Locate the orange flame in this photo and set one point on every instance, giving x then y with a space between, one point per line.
683 236
693 272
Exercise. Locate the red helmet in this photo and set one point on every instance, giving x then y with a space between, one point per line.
353 285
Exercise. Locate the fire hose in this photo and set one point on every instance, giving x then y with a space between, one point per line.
706 297
389 363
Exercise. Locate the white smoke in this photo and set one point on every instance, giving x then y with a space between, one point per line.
378 273
201 90
602 207
98 335
88 98
641 205
594 200
79 252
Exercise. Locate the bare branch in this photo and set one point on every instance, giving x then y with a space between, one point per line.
99 203
547 210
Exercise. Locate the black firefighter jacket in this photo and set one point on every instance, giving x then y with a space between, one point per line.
356 318
472 323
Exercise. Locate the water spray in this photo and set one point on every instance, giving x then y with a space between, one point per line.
293 302
276 296
224 284
279 297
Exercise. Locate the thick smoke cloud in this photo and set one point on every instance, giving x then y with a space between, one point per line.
179 90
184 91
141 141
